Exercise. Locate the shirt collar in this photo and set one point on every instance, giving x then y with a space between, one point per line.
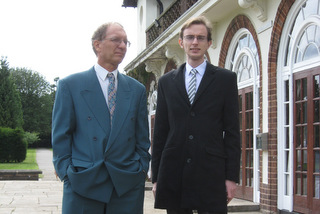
102 72
201 68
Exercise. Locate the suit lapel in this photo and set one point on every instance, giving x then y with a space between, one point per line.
95 100
207 79
123 99
178 77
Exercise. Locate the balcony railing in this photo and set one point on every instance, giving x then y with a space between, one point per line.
167 18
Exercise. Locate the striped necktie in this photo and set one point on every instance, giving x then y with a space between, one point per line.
111 94
192 85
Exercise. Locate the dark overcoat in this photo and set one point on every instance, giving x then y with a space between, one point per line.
196 147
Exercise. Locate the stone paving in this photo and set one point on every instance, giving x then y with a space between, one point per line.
45 196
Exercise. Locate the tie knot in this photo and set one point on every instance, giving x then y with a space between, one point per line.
193 71
110 76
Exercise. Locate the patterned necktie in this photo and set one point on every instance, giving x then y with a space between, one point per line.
192 85
111 94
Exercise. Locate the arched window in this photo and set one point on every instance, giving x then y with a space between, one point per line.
243 59
298 109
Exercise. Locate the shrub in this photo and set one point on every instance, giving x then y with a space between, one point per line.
13 147
31 137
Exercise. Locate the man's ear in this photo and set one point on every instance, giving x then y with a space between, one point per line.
181 42
96 45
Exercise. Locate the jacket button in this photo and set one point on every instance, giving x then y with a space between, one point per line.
192 114
189 160
89 118
94 138
190 137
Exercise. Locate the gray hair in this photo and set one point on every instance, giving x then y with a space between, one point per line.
100 33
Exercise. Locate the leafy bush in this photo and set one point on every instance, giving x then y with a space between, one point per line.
13 147
31 137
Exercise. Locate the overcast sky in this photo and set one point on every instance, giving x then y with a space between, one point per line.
53 37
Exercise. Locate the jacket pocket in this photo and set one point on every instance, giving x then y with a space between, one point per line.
214 152
80 163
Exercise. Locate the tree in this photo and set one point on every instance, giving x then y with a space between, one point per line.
10 103
36 99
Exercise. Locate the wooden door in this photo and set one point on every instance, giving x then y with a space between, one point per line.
306 108
245 188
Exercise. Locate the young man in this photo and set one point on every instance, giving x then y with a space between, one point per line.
100 136
196 144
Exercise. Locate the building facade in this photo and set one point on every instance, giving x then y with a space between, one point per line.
274 47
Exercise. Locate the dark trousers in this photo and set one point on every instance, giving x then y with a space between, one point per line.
187 211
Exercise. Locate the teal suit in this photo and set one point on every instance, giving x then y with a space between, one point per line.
95 160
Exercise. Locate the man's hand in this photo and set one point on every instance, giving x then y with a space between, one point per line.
231 188
154 189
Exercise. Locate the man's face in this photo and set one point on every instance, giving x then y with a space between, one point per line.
112 49
195 43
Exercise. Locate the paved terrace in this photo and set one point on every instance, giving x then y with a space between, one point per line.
44 196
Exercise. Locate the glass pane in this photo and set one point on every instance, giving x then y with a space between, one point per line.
317 161
298 185
287 138
311 49
305 160
316 111
251 120
248 177
316 143
305 112
305 136
286 161
298 90
247 158
248 120
304 88
305 182
298 113
251 177
287 114
317 186
287 187
251 158
298 164
298 134
251 100
240 182
247 139
240 102
286 83
247 101
316 89
240 121
311 52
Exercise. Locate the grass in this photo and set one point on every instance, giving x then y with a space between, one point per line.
29 163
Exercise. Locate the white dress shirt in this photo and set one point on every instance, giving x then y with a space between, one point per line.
201 69
103 80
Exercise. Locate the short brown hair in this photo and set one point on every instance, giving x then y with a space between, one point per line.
200 20
100 33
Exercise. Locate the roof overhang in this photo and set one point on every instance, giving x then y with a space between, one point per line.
129 3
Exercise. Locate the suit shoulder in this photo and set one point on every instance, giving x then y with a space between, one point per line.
174 72
77 76
133 81
221 71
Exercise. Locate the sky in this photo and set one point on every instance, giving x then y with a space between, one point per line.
53 37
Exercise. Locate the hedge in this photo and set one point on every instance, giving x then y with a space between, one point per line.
13 147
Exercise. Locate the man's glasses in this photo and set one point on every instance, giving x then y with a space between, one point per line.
118 41
190 38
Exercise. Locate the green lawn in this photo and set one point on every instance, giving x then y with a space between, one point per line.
29 163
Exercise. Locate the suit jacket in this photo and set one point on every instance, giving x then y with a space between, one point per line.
87 152
196 147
